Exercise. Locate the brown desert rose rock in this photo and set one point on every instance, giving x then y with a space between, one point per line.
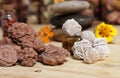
23 35
53 55
8 56
27 57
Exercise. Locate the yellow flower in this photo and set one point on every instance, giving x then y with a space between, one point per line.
106 31
45 34
57 1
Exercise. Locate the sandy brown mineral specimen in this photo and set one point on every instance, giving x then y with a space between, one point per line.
18 30
27 57
8 56
21 46
33 42
25 36
53 55
8 41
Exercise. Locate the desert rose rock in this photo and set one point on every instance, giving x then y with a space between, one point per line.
23 35
27 57
72 27
8 55
53 55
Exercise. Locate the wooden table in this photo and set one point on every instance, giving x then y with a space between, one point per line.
110 68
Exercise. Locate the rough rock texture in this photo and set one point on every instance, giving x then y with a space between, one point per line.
99 41
88 35
101 45
91 52
69 6
27 57
32 42
72 28
8 56
18 30
8 41
80 47
91 55
21 46
53 55
84 50
25 36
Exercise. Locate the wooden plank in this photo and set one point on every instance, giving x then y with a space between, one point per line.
110 68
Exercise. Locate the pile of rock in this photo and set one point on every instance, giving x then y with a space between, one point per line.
70 9
23 47
90 49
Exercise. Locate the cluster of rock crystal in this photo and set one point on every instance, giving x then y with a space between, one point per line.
53 55
70 9
23 47
89 48
67 10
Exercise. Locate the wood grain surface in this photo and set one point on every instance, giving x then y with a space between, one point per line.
110 68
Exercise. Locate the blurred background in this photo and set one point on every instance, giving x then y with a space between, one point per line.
37 11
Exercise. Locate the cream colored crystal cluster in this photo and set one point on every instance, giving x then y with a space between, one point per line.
90 48
72 28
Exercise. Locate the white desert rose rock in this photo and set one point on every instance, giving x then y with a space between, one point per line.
99 41
88 35
72 28
80 47
91 52
91 55
101 45
90 49
84 50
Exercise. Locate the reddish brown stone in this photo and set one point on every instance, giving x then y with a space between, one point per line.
53 55
8 56
27 57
